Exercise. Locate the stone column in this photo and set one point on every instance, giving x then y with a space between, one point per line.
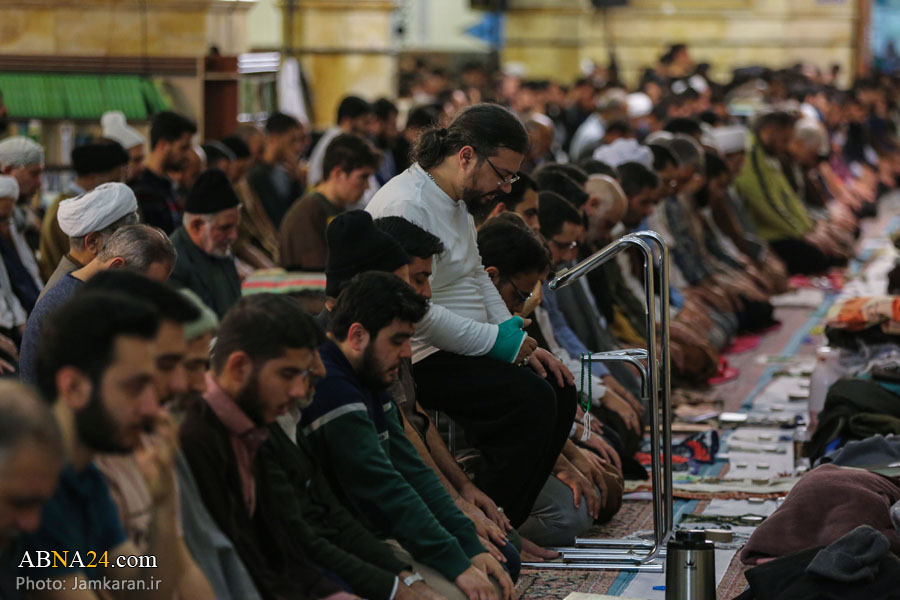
345 47
546 36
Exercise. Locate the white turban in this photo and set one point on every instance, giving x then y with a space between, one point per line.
700 85
624 150
20 151
95 210
9 187
116 128
639 105
730 139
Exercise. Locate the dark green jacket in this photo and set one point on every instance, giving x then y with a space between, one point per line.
317 520
215 280
376 471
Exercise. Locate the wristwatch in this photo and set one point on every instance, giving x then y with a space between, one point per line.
413 579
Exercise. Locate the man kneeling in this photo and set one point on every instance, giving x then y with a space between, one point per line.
355 430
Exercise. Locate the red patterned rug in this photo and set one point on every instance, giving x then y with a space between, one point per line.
549 584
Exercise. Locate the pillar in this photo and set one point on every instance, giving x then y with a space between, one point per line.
345 47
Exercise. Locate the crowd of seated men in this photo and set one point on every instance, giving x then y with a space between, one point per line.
229 356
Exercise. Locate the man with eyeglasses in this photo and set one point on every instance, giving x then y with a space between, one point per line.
468 349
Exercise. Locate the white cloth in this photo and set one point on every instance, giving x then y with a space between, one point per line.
624 150
465 305
19 151
96 209
116 128
639 105
290 91
9 187
26 254
12 314
589 133
730 139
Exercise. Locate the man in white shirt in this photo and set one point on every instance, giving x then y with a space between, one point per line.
468 351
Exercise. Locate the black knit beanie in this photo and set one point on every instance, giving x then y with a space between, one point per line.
355 246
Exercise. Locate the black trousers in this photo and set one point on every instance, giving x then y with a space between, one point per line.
802 258
517 420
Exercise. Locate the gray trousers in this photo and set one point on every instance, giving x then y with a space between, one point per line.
554 520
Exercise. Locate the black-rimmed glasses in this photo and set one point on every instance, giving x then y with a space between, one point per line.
503 179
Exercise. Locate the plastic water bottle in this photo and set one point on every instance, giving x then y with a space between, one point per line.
825 373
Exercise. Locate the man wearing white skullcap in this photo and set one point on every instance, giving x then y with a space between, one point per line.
22 158
116 128
89 220
731 141
640 109
622 151
94 163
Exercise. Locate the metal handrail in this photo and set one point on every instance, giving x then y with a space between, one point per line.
655 377
666 375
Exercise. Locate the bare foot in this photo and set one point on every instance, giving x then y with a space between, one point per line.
531 552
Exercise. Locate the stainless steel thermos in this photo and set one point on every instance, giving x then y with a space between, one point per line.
690 567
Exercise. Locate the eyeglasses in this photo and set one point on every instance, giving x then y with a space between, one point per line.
503 179
522 296
564 245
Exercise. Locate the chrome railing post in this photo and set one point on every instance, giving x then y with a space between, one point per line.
655 378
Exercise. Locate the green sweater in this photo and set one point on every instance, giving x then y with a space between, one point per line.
317 520
773 206
375 470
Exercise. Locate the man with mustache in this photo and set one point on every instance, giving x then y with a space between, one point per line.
205 264
170 151
95 363
264 355
469 351
122 472
206 553
354 428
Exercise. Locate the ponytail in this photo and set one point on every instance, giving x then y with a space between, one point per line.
484 127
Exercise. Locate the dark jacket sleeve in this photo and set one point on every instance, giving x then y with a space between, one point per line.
349 442
407 461
364 575
208 455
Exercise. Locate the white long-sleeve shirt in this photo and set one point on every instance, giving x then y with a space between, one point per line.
465 306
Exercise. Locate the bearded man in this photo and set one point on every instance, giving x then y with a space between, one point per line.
264 356
469 352
170 148
95 365
209 229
